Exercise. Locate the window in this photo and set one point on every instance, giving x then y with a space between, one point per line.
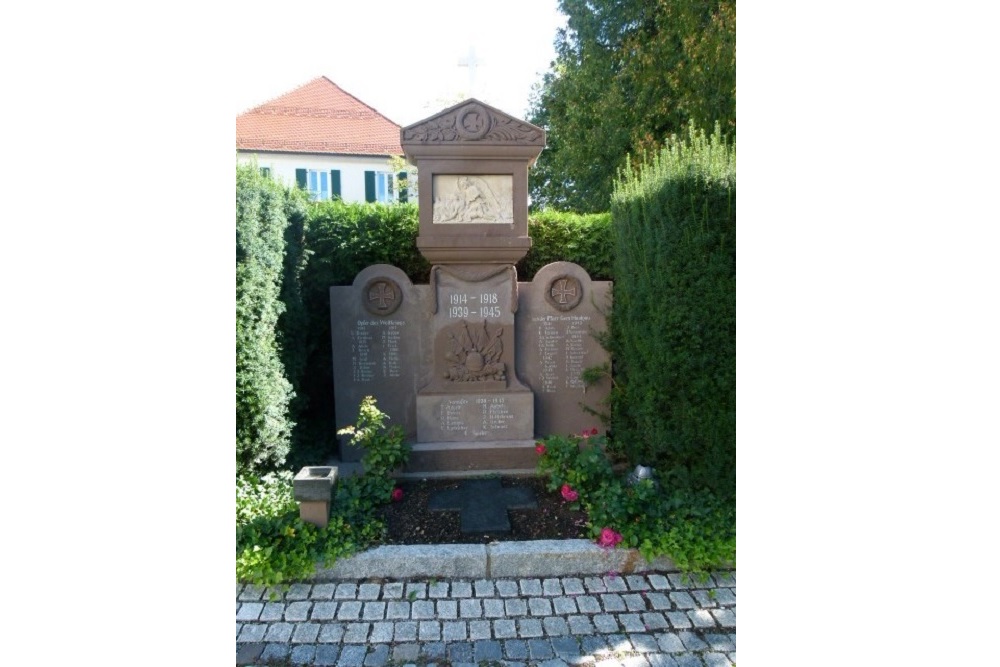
321 185
265 172
379 186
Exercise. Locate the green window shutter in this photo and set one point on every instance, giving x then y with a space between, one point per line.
300 178
369 186
335 183
404 195
265 172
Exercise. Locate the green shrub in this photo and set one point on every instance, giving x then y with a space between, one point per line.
584 239
263 393
673 327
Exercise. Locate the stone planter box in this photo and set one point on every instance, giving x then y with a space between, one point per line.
312 489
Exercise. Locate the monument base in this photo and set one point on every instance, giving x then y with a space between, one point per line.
458 459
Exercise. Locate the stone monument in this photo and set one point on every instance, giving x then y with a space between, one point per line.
475 365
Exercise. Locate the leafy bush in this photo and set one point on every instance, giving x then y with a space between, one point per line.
263 428
673 329
696 530
584 239
273 545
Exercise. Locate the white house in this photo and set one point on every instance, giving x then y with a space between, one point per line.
327 141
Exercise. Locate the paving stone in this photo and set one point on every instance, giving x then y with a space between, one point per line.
406 631
480 630
298 592
297 611
540 649
507 588
701 618
725 617
349 611
615 584
683 600
461 589
239 626
688 660
573 586
634 602
516 649
447 609
249 611
251 593
605 623
705 598
274 594
302 655
356 633
681 581
631 622
438 589
725 597
692 641
529 627
594 645
619 642
658 582
397 609
504 628
322 611
516 607
406 653
487 650
305 633
454 631
346 591
660 660
493 608
720 642
322 591
277 653
353 656
635 661
247 654
566 648
564 605
637 582
392 591
434 651
252 632
422 609
273 611
369 591
644 643
460 651
471 608
712 659
552 587
612 602
580 625
678 619
555 626
416 591
429 631
484 588
588 604
331 633
530 586
382 633
724 579
279 632
655 621
540 607
377 656
595 585
659 601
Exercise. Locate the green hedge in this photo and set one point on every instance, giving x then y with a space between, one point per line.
263 427
674 320
568 237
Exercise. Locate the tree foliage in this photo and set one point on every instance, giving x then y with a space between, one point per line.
629 74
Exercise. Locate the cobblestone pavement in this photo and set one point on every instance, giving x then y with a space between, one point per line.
657 619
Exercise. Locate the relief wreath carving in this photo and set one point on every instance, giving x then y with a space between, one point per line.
475 353
473 122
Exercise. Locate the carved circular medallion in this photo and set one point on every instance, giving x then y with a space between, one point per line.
473 122
564 293
382 296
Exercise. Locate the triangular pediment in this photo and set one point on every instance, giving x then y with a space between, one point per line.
473 122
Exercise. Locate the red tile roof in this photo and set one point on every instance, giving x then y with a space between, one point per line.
319 117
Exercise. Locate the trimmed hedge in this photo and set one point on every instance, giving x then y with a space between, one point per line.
674 321
568 237
263 427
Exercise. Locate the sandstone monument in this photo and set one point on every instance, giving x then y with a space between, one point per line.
475 365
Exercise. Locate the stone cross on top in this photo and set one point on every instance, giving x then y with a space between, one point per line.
473 64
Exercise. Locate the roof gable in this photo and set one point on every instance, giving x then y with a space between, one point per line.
472 121
318 117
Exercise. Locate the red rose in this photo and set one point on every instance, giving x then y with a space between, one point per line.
397 494
539 448
608 538
568 493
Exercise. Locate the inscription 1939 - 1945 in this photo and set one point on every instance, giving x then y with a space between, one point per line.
479 417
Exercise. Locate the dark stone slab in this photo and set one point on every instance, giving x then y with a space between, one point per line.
483 504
